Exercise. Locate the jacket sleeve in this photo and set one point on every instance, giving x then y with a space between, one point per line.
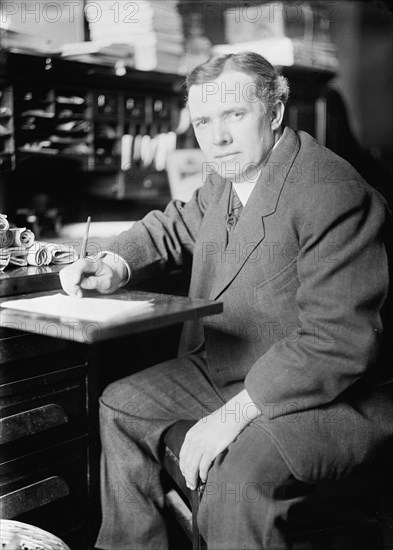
343 274
161 241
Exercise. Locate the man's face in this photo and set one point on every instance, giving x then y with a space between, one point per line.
231 125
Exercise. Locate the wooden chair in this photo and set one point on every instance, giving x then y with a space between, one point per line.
350 514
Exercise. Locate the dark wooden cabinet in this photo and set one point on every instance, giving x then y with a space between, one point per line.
80 111
49 391
109 134
72 128
44 465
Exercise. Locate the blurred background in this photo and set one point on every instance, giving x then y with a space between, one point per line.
92 117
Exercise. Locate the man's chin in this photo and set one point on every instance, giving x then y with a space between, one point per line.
232 171
229 171
229 176
238 177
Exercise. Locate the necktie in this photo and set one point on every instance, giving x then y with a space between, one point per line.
234 211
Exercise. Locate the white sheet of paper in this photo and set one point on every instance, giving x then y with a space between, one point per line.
87 309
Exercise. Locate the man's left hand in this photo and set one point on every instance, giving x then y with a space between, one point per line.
203 442
213 434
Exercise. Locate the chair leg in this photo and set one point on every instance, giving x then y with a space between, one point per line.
196 536
198 542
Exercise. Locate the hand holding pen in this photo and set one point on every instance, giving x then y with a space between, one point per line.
92 272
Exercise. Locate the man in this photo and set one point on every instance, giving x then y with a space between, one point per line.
283 385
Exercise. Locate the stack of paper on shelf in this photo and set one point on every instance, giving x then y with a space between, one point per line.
168 29
24 41
284 51
102 51
152 28
287 34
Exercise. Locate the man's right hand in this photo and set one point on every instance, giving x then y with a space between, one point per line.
91 274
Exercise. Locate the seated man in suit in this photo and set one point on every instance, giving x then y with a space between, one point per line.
283 386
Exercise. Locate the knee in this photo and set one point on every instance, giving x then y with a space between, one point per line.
242 477
111 395
119 400
247 485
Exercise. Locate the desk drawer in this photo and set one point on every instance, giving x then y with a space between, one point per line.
47 488
25 355
40 411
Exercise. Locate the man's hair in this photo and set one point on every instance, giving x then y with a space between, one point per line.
270 86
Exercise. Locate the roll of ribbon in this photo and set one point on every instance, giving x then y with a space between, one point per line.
61 253
6 238
18 256
22 237
5 256
38 254
4 225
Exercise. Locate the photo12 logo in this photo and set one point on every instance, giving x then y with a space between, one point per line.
68 10
270 12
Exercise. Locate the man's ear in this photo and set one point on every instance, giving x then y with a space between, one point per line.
277 114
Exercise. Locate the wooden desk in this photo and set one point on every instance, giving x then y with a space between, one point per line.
167 311
21 280
52 371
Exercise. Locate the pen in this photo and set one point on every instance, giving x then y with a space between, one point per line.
83 251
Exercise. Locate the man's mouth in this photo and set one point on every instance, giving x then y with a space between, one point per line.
225 156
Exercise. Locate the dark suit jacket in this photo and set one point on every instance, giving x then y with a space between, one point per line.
303 278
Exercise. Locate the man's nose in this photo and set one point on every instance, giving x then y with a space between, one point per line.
221 136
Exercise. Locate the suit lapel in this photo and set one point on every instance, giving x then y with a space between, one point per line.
250 231
216 224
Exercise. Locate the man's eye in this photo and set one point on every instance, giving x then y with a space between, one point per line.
236 116
200 123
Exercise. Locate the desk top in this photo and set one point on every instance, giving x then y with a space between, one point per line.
168 310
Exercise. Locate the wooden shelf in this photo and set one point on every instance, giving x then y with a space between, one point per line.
39 82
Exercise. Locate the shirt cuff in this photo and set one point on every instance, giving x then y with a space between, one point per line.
116 257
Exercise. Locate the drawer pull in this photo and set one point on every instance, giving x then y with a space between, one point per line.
31 422
33 496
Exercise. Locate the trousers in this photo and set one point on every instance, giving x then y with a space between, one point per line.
249 490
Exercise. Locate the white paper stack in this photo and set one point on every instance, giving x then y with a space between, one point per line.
284 51
100 310
15 40
167 24
152 27
285 33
